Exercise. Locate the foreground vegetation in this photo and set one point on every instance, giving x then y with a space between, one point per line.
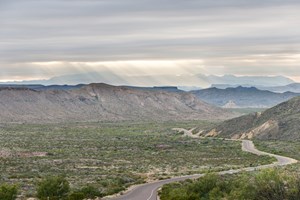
8 192
52 188
270 184
111 157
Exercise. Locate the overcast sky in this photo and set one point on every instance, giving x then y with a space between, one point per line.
44 38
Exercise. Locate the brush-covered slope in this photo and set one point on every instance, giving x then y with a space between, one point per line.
101 102
280 122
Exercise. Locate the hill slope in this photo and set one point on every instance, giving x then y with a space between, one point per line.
243 97
100 102
280 122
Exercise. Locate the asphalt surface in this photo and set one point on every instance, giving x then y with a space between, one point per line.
148 191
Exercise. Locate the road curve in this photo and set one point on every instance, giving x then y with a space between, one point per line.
148 191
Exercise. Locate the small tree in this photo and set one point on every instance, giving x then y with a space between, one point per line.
53 188
8 192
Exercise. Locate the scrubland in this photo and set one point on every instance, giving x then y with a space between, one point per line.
111 156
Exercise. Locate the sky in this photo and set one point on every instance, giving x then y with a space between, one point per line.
40 39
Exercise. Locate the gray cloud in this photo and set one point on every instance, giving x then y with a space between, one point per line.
238 36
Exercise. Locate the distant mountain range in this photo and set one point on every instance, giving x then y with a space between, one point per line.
281 122
293 87
249 80
242 97
102 102
182 81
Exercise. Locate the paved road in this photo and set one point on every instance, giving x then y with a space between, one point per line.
149 191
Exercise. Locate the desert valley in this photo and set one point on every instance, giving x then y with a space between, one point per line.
149 100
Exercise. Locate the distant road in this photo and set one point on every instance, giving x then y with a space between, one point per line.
148 191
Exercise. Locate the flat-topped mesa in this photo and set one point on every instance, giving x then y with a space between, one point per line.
99 85
16 88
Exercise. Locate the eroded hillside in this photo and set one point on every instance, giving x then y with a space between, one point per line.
101 102
280 122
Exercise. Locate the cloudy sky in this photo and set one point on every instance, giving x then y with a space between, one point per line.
40 39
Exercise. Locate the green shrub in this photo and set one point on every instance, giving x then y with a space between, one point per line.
269 184
90 192
53 188
76 196
8 192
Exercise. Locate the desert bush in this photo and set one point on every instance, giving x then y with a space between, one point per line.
8 192
76 196
269 184
91 192
53 188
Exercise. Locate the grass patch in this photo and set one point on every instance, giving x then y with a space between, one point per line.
285 148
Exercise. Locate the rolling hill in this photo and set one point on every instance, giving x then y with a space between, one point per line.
280 122
101 102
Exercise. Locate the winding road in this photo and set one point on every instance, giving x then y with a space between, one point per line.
148 191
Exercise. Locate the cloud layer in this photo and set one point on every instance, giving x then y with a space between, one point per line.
233 36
